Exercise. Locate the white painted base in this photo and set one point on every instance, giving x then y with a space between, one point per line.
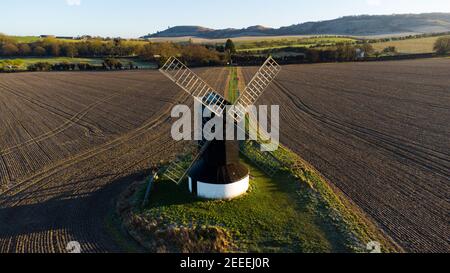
221 191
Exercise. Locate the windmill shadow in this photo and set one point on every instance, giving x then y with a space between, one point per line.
65 216
166 193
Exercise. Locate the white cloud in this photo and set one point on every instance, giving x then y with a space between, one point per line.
374 3
73 2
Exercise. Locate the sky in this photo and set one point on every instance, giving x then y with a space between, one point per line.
135 18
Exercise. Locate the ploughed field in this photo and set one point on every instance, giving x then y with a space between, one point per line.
70 143
380 132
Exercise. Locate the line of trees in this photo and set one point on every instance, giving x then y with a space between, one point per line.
340 53
15 65
194 54
108 64
46 66
408 37
52 47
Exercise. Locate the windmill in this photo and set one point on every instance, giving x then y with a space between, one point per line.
214 169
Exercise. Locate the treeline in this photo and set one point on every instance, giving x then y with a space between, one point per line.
99 48
408 37
192 54
52 47
339 53
107 64
311 42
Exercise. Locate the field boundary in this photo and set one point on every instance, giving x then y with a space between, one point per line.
340 201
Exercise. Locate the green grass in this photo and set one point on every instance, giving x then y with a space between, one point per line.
114 228
295 211
347 216
271 217
255 49
25 39
32 39
54 60
25 62
233 85
410 46
264 45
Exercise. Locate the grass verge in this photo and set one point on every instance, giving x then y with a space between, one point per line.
233 89
114 228
343 211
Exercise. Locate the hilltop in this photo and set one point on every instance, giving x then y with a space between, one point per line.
360 25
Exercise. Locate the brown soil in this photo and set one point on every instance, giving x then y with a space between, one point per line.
70 143
380 132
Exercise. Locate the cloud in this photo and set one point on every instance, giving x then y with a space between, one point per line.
73 2
374 3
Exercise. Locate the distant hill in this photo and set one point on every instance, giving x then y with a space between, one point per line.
361 25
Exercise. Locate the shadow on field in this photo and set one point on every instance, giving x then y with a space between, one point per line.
47 219
166 193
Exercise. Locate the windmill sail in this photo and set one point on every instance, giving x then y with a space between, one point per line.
262 79
185 78
175 171
179 168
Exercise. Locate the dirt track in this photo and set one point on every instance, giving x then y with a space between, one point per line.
70 143
380 132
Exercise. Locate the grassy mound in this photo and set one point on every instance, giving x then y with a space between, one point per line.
277 215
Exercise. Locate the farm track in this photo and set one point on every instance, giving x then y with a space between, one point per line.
379 132
69 198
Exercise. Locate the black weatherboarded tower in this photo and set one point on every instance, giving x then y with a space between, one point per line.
219 172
